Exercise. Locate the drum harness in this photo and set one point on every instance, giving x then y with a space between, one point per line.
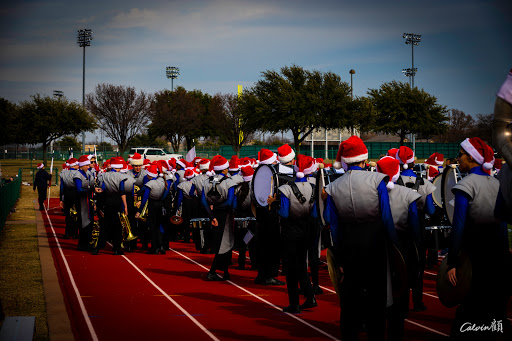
299 195
414 187
213 193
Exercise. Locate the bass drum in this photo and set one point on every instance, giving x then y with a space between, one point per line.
264 184
437 194
323 178
450 177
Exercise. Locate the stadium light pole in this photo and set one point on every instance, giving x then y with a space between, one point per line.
84 40
352 72
412 39
172 72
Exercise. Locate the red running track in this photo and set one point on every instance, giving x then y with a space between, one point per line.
140 296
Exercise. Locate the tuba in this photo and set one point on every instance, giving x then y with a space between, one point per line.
127 230
177 219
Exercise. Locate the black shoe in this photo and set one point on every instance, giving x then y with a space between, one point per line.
292 309
240 267
259 280
273 281
226 276
317 290
95 251
419 308
129 249
144 248
310 303
161 251
118 253
83 248
152 252
213 277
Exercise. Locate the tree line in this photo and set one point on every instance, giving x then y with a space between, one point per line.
293 99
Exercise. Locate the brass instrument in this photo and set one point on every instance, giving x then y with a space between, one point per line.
136 198
127 230
73 213
95 234
144 213
177 219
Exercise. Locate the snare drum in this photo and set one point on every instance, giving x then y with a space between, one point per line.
264 184
323 178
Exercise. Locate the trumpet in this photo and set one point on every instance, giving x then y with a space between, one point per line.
144 214
136 197
177 219
127 230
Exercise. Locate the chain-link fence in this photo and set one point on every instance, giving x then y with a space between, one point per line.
9 194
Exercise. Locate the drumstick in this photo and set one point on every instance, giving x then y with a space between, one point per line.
271 187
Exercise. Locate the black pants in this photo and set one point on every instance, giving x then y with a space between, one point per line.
295 233
114 205
41 197
220 261
269 242
155 220
313 239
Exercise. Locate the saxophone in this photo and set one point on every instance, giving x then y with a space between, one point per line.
95 234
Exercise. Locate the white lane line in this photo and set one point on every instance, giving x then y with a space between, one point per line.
80 302
431 273
422 326
415 323
197 323
263 300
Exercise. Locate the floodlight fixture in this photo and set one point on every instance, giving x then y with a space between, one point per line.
83 40
352 72
172 72
412 39
58 93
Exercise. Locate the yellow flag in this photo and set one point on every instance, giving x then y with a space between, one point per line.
241 134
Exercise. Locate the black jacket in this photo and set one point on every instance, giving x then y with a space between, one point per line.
41 180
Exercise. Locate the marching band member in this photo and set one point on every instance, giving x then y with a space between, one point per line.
84 184
478 233
203 241
242 207
41 183
68 198
153 191
296 206
186 193
218 191
425 206
112 188
357 208
402 201
269 239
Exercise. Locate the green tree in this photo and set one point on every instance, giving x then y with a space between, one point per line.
9 116
46 119
301 101
121 111
69 142
104 147
400 110
177 115
147 140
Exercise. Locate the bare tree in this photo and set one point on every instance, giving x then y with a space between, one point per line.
121 112
483 127
460 127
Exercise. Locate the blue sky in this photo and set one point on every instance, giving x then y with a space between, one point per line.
462 59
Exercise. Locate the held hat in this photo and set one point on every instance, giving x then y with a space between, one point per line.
480 151
352 150
285 153
405 155
391 167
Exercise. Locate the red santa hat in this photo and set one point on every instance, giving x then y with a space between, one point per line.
189 174
204 164
267 157
305 165
319 160
72 162
172 163
505 91
84 161
439 158
254 163
219 163
163 165
40 165
431 161
391 167
146 163
392 152
480 151
106 164
285 153
116 162
234 164
247 173
136 160
125 168
352 150
498 163
432 173
182 162
196 160
245 161
405 155
152 170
